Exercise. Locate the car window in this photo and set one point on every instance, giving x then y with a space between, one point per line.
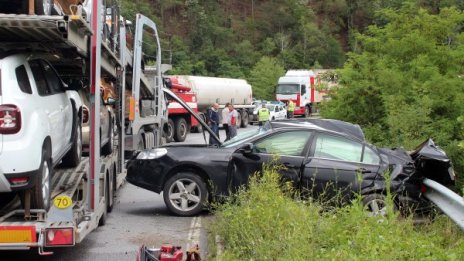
245 136
53 80
40 82
23 79
291 143
370 156
338 148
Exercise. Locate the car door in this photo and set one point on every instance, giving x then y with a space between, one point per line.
336 166
64 105
50 104
285 147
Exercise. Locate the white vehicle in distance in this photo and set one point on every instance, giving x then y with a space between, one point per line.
277 111
40 126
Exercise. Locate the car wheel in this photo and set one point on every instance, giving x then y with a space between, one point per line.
170 131
245 119
43 7
73 157
375 204
107 149
180 130
6 198
185 194
40 192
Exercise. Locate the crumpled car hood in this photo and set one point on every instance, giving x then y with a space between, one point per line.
426 161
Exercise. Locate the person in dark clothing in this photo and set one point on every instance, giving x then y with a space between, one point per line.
213 116
225 124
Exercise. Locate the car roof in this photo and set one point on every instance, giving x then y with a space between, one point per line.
341 127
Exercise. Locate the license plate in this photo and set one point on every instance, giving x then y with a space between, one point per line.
17 234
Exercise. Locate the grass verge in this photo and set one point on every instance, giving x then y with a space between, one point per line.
264 222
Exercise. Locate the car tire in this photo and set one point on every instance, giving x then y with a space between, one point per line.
41 191
43 7
245 119
107 149
185 194
170 131
73 157
180 129
375 204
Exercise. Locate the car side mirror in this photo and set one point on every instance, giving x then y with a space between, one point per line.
247 148
110 101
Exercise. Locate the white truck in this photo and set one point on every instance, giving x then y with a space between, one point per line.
81 53
209 90
299 87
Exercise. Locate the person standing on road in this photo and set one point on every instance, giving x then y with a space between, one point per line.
290 109
232 121
225 123
263 115
213 116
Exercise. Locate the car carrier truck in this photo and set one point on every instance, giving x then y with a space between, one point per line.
82 52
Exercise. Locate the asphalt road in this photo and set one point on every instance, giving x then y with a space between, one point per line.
139 217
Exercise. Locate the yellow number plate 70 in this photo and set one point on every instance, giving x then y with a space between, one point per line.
62 201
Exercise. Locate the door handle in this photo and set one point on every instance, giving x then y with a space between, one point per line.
363 171
289 165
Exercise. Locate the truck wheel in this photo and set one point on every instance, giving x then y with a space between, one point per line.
40 193
239 120
73 157
185 194
43 7
107 149
180 129
245 119
170 131
307 111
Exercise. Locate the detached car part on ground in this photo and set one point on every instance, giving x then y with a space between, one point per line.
320 159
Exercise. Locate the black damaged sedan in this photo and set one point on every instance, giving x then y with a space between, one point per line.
322 157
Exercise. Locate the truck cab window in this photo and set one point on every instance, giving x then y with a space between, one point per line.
303 89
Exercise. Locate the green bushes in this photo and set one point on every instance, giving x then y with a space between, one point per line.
264 223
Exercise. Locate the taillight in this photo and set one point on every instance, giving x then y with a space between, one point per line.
423 188
10 119
19 181
85 115
59 237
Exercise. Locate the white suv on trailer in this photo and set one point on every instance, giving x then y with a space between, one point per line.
39 126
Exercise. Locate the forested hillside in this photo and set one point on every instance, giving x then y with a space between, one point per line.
401 61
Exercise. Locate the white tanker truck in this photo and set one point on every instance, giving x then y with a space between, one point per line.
209 90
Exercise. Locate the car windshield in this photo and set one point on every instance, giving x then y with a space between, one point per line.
288 89
270 107
244 136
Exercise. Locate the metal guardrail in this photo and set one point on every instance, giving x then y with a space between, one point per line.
446 200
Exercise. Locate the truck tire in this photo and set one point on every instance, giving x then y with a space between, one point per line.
170 131
245 118
43 7
239 120
180 129
40 193
307 111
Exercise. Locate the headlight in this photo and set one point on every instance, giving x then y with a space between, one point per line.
152 154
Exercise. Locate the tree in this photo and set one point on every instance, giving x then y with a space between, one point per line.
264 76
405 84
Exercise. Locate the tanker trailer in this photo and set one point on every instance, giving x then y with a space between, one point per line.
209 90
